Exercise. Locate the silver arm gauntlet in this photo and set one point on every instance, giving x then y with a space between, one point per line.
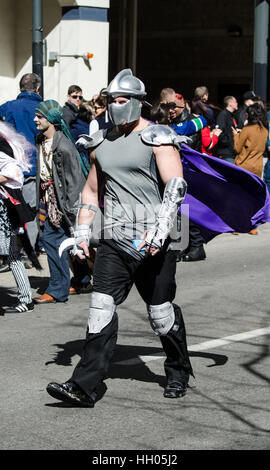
81 232
174 193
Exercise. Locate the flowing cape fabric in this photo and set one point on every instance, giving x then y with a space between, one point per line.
221 196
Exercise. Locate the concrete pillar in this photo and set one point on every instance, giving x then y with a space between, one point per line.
127 43
37 40
133 12
261 22
122 32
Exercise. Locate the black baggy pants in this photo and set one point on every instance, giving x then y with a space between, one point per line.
115 272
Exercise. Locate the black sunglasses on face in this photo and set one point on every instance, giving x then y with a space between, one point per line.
76 97
170 106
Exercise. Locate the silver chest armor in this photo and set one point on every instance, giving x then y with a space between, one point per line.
156 135
160 134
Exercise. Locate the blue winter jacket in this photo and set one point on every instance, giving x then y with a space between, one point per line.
20 113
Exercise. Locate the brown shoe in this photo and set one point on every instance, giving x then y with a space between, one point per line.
44 299
253 232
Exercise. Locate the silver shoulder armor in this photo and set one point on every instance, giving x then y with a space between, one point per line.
92 141
159 134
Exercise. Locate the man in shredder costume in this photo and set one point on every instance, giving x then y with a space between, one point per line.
143 189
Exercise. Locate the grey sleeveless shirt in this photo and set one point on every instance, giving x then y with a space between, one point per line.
131 193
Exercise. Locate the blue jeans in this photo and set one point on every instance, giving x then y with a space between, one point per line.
266 174
59 283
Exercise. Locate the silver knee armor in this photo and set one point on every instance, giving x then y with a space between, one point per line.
162 317
102 308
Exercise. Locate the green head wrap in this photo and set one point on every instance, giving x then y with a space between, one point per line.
52 111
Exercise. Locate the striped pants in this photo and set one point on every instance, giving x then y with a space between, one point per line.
19 272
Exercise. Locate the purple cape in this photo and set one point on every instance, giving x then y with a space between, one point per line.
222 197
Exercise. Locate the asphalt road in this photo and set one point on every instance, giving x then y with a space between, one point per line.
227 405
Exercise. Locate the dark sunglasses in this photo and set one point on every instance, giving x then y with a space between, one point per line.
76 97
170 106
98 107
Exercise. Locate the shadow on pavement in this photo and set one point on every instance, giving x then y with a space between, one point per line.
39 283
7 296
139 371
219 359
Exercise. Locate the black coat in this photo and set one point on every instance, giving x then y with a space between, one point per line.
70 113
241 116
225 147
67 174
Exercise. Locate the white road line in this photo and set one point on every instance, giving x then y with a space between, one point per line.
229 339
214 343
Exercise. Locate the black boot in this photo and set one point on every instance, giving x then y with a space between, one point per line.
177 364
195 253
70 393
175 390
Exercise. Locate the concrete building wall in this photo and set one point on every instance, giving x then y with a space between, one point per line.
179 44
7 47
80 37
63 36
